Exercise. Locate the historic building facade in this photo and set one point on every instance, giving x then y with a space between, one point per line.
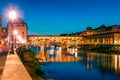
102 35
17 28
3 33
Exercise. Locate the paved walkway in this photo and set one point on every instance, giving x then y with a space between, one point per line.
14 69
2 62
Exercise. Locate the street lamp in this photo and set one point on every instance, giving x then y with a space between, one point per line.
12 16
15 33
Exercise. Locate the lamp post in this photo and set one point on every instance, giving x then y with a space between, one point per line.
15 33
12 16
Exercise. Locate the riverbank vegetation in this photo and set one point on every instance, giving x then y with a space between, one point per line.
31 63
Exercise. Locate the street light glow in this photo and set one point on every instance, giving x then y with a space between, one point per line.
12 14
20 39
15 32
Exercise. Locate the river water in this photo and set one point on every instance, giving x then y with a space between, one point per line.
59 64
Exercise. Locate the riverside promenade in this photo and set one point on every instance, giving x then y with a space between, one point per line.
14 69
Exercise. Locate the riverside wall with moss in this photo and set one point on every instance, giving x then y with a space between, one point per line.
31 63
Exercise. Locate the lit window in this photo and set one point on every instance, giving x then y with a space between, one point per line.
3 30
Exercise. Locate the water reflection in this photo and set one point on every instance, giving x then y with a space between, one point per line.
56 54
105 62
117 63
92 60
79 64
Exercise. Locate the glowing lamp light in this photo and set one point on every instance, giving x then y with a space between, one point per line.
15 32
23 41
20 39
115 42
12 14
18 36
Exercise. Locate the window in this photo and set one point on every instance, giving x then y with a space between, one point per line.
22 32
3 30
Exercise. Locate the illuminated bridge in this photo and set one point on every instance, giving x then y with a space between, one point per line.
54 40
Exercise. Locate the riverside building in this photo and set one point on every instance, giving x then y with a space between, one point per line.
102 35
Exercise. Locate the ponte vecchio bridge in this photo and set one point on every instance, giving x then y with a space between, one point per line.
54 40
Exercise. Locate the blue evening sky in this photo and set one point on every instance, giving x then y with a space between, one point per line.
64 16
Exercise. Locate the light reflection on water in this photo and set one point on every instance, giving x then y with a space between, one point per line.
63 65
56 54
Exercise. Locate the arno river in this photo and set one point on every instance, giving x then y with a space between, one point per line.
72 64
